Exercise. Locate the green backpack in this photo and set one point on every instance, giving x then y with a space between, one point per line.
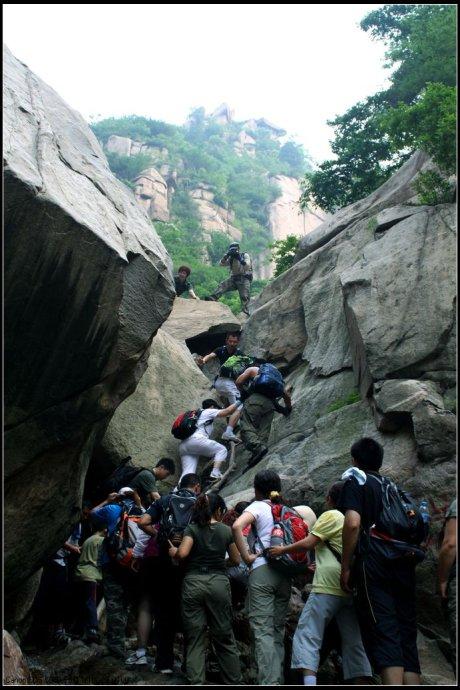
235 365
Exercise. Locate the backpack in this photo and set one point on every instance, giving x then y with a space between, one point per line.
399 529
120 477
268 382
176 517
185 424
119 545
235 365
288 528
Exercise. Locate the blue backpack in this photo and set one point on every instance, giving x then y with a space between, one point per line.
268 382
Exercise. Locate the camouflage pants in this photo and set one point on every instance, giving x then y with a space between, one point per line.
118 595
242 284
256 421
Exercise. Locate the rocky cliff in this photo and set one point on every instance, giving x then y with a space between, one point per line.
363 326
87 285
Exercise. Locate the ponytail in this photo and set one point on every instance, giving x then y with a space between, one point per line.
275 497
206 507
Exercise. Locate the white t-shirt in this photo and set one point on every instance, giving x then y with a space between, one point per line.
204 424
264 524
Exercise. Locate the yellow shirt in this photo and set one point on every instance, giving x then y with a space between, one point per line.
328 527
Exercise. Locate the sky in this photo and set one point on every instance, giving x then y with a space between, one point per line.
296 65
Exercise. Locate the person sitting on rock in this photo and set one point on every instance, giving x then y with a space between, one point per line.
240 276
266 385
225 386
327 600
200 443
182 284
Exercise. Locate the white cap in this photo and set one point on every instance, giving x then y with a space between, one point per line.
307 515
125 490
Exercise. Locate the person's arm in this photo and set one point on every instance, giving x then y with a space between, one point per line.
307 544
111 498
237 528
233 554
72 548
350 534
192 294
447 555
225 260
228 410
183 551
147 521
201 361
250 373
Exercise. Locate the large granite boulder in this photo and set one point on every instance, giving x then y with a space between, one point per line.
141 426
15 668
87 285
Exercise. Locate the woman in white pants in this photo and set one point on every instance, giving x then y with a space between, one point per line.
199 442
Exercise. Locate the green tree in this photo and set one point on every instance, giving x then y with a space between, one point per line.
283 253
374 137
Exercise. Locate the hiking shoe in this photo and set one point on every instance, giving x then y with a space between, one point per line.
214 476
92 635
230 437
163 671
135 660
210 298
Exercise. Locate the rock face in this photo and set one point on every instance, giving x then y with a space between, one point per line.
363 326
87 285
151 191
15 668
194 319
214 218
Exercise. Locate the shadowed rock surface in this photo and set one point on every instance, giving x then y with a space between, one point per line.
87 285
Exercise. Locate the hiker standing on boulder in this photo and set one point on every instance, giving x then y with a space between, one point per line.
182 284
266 385
381 566
240 276
206 598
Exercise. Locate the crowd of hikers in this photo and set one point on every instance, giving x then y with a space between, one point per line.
184 562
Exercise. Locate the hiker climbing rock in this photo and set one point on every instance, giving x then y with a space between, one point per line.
182 283
240 276
194 428
264 386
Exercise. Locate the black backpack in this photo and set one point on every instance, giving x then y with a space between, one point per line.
120 477
399 529
176 516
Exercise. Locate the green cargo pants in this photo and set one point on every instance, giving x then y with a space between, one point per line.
256 421
206 601
269 593
240 283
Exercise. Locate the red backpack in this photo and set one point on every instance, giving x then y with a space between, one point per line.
185 424
288 528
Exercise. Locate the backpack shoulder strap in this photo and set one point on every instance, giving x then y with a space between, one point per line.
337 554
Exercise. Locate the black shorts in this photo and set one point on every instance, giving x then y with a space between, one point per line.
385 604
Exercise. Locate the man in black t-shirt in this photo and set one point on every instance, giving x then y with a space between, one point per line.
168 579
385 587
182 284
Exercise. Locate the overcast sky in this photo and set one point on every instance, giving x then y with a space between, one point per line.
296 65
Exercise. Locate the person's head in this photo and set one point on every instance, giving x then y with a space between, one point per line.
333 494
307 514
234 248
367 454
126 493
98 524
209 403
207 507
163 468
184 272
86 510
267 484
191 482
232 340
241 507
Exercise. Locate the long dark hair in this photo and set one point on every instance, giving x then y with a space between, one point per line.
206 506
268 484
